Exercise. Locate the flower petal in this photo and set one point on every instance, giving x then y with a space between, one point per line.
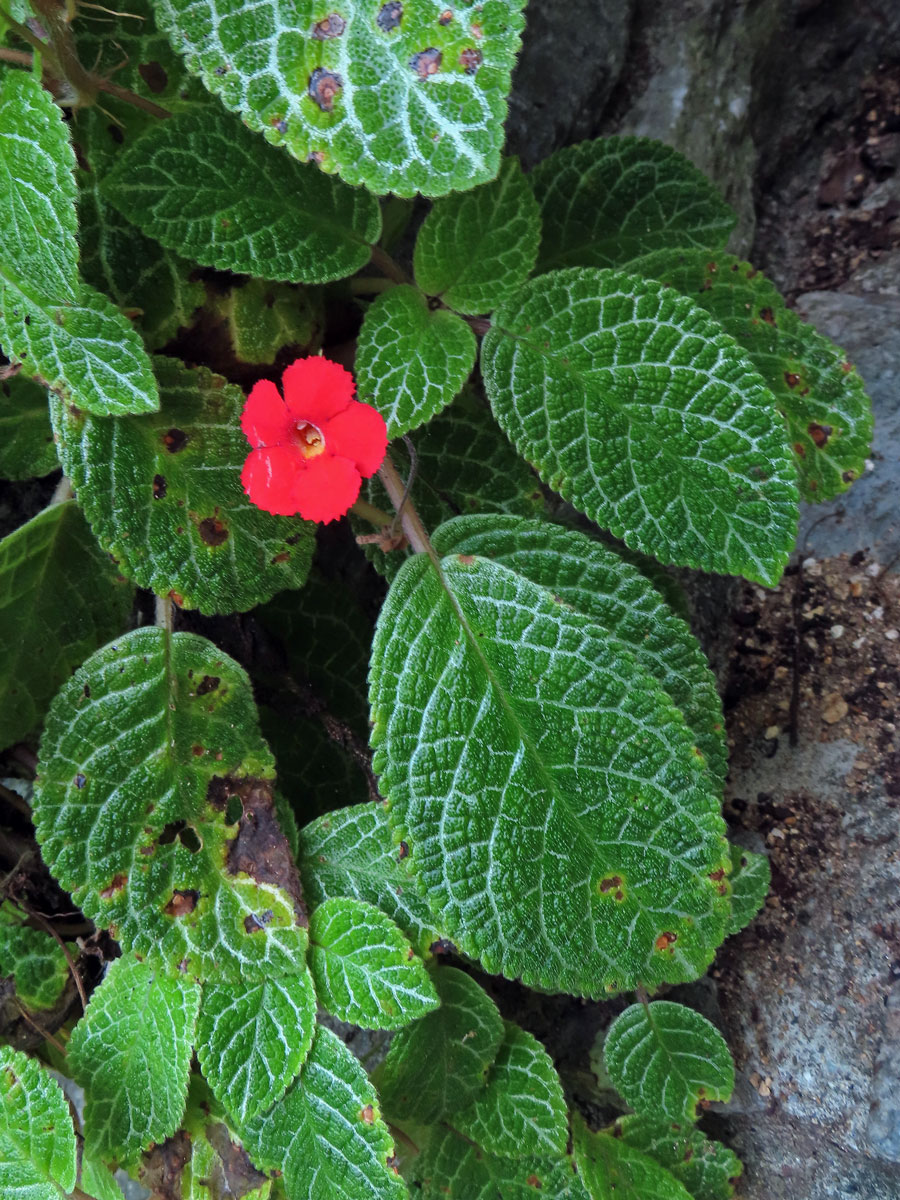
360 434
265 419
270 477
326 488
315 389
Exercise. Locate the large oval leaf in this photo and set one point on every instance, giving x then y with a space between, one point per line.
452 1168
37 1141
629 400
614 1170
553 803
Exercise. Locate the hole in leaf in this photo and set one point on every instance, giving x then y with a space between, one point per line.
186 834
234 810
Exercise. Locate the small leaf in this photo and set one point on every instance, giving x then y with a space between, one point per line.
163 495
614 1170
154 807
204 186
666 1059
438 1065
390 95
476 247
219 1168
327 1135
707 1169
97 1180
453 1169
252 1039
751 877
522 1110
37 1141
38 250
34 959
365 971
635 406
270 319
411 360
607 201
349 852
26 439
60 598
818 391
131 1052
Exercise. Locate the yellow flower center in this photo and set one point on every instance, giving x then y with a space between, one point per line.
309 439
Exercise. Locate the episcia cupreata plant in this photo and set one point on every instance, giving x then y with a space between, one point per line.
206 219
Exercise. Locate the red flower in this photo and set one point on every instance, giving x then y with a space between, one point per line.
312 449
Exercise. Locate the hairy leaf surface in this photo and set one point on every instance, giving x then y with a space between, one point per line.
33 958
605 202
131 1052
266 320
37 1141
163 495
707 1169
476 247
634 405
411 359
26 439
206 187
154 808
553 803
665 1059
453 1169
751 877
389 95
614 1170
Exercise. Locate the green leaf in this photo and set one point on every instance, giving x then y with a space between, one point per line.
60 598
37 1141
38 250
206 187
666 1059
131 1052
326 1135
475 248
440 1064
365 971
819 393
26 439
607 201
163 495
389 95
34 959
707 1169
154 808
97 1181
453 1169
268 319
522 1110
465 464
411 359
614 1170
751 877
350 853
554 806
252 1038
635 406
594 580
219 1168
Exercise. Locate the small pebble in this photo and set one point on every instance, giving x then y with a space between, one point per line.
834 709
873 569
891 635
772 732
837 631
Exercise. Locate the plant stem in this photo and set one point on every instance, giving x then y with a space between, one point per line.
383 261
375 516
410 520
120 93
369 285
165 616
55 20
20 57
62 492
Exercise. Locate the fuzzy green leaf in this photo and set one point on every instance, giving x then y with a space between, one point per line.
206 187
630 401
607 201
26 439
350 853
440 1064
37 1141
97 1180
365 971
38 250
522 1110
453 1169
707 1169
554 806
252 1039
327 1135
411 360
154 808
388 95
819 393
594 580
60 598
665 1058
131 1052
751 877
477 247
614 1170
266 320
163 495
33 958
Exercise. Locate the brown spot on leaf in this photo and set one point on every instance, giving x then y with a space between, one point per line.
791 379
465 560
159 487
161 1168
426 62
389 16
403 852
208 684
666 939
367 1115
846 366
182 903
197 751
446 17
768 316
329 27
154 75
848 476
324 87
174 440
819 433
257 921
470 60
284 556
534 1182
717 875
610 883
688 1153
80 781
799 449
114 887
212 531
